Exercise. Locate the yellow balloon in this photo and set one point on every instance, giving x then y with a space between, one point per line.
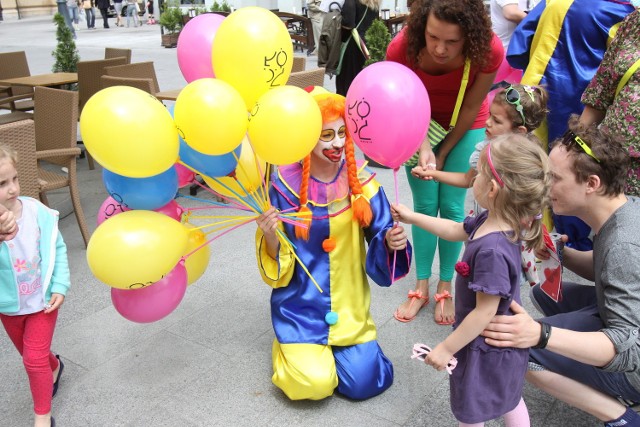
285 125
197 263
248 176
252 51
211 116
136 248
129 132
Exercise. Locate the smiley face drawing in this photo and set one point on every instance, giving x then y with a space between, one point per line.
358 113
274 68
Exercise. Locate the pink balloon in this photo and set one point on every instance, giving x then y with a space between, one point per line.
388 112
491 95
172 210
109 208
185 175
515 76
503 71
154 302
194 46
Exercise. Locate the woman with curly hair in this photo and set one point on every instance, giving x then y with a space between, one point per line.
444 41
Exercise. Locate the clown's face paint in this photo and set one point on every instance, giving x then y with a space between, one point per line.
330 146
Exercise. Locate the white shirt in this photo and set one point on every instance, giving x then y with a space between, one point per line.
501 25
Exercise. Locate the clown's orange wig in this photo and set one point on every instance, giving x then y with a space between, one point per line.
332 107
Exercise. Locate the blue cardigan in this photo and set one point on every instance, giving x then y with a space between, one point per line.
54 266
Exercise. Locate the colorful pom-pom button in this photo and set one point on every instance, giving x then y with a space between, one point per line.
329 244
331 318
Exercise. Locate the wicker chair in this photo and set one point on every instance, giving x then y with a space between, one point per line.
137 70
14 116
307 78
21 136
14 64
56 123
299 64
142 84
113 52
89 83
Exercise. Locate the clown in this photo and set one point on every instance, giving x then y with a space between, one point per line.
327 339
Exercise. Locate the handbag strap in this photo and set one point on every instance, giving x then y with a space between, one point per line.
625 78
463 89
356 36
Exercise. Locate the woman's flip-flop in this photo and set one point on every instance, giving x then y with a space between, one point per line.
440 298
413 296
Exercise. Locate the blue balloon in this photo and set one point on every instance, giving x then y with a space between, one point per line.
142 193
205 164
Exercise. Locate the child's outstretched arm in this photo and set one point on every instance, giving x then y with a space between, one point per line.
444 228
456 179
470 328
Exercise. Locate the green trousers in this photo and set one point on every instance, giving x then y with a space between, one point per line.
433 198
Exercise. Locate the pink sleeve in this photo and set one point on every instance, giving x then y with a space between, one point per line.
496 56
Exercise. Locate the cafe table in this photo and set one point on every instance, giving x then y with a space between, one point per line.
49 80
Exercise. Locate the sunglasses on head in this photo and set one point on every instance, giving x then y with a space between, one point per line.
569 138
328 135
512 96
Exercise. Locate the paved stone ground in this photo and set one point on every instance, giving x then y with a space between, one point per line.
209 362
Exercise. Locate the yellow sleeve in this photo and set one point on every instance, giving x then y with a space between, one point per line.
275 272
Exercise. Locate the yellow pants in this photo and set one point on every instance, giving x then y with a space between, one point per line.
304 371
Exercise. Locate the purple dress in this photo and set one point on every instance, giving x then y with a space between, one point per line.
487 383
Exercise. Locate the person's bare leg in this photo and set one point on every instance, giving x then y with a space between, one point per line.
578 395
446 314
410 308
42 420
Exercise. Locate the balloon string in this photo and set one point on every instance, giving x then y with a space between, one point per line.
395 224
290 244
237 203
244 173
216 237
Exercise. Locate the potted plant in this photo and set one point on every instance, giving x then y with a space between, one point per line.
220 7
171 21
66 53
377 38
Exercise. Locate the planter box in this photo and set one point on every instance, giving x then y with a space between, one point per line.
170 40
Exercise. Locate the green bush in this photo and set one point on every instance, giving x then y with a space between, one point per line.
220 7
66 53
377 39
171 18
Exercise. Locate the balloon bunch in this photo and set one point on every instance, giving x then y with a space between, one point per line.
234 116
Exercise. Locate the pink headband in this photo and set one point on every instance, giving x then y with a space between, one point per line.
493 170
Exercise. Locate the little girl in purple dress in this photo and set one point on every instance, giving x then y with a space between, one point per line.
512 185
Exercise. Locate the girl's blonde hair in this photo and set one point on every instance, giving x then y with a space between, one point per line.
522 166
7 152
332 108
371 4
533 100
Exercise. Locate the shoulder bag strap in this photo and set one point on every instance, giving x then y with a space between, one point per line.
358 39
627 76
463 89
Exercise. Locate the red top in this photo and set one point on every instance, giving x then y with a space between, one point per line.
443 89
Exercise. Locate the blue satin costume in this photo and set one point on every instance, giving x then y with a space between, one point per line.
560 45
328 340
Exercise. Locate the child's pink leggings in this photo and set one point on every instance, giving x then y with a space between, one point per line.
32 335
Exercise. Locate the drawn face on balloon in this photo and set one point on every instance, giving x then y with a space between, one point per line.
330 146
274 68
358 113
